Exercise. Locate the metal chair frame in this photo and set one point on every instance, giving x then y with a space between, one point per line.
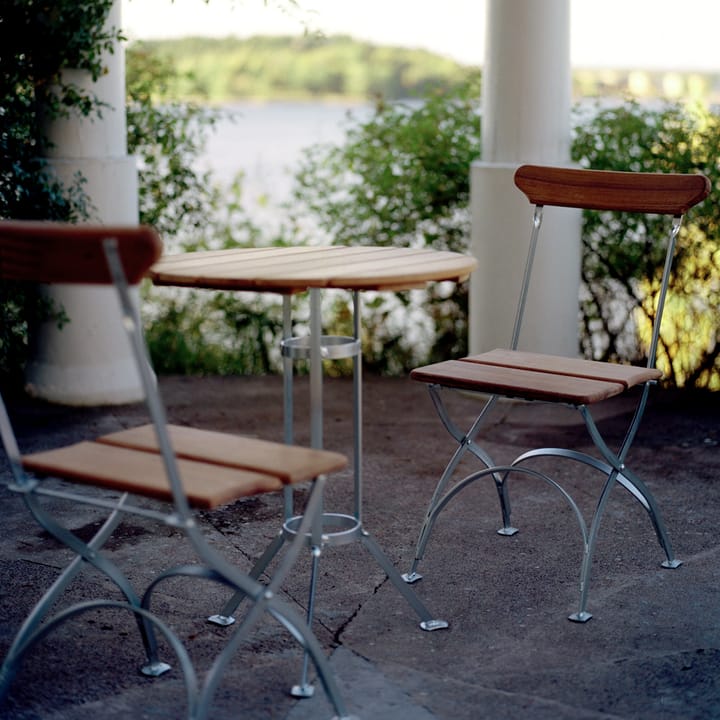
117 248
516 374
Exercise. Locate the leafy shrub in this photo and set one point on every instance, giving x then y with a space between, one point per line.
401 178
192 332
621 269
38 40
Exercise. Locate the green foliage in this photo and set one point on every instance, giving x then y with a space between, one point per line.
399 177
167 136
430 145
623 256
37 41
305 67
213 333
40 39
402 178
192 332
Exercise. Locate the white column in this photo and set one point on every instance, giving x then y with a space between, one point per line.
526 103
63 369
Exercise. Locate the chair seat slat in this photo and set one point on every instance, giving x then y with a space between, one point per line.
627 375
291 464
207 485
516 382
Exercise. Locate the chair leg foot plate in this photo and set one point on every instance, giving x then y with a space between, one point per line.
155 669
302 691
411 577
222 620
580 617
431 625
509 531
671 564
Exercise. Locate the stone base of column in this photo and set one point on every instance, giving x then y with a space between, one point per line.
62 369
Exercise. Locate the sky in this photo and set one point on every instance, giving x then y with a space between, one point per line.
629 34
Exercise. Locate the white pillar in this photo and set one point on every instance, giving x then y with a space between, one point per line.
63 369
526 104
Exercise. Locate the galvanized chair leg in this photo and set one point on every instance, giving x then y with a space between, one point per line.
466 443
627 480
85 553
49 598
142 616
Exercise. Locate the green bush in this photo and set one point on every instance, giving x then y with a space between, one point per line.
620 270
401 177
192 332
38 40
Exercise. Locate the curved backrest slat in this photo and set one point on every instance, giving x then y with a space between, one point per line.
50 252
662 193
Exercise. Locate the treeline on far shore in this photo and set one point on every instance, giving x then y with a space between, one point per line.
309 67
302 68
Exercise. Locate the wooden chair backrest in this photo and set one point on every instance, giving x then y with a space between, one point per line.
641 192
50 252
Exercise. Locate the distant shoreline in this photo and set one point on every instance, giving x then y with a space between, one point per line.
340 69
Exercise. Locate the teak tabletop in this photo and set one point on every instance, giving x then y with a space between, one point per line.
289 270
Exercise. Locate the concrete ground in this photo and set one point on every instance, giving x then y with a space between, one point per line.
651 651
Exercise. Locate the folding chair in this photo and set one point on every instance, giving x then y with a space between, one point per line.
183 467
573 382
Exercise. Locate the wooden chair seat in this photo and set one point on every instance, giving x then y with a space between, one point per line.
535 376
215 468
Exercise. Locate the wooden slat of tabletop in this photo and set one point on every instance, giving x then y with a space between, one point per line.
297 268
393 267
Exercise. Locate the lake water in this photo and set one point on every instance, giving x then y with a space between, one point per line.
264 141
